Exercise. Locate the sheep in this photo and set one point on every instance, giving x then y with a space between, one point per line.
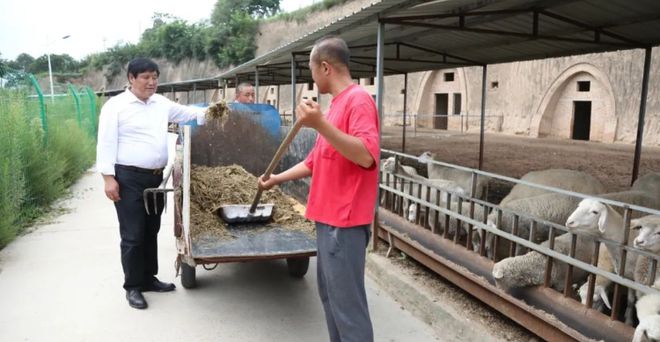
442 184
595 218
529 269
571 180
551 207
453 222
647 239
554 208
600 299
605 261
648 312
462 178
393 166
649 183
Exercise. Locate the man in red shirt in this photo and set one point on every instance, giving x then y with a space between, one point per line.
344 168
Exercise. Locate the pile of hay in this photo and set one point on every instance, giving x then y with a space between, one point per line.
212 187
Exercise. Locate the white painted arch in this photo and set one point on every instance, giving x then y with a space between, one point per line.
542 120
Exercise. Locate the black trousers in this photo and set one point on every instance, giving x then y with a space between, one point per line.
138 230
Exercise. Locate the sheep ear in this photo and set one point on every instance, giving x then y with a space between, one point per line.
603 296
602 220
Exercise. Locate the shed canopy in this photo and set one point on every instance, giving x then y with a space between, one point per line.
442 34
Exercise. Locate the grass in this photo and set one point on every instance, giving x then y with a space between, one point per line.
34 172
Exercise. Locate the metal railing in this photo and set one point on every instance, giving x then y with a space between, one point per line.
436 217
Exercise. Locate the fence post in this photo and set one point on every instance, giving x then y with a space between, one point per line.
42 106
92 108
76 101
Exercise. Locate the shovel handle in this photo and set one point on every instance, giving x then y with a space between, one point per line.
276 159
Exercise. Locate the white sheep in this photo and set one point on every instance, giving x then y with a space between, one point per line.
600 299
462 178
394 166
529 269
444 185
605 262
551 207
648 239
649 183
648 312
571 180
453 222
598 219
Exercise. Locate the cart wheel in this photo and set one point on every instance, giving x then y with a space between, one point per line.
188 280
297 266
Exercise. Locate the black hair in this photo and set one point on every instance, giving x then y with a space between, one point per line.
331 49
140 65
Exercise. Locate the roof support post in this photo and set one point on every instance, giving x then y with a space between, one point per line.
380 45
293 88
278 99
642 113
483 116
405 101
256 84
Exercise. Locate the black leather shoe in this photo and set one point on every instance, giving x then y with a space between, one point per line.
159 286
135 299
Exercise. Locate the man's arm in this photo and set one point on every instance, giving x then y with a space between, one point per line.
298 171
106 151
179 113
349 146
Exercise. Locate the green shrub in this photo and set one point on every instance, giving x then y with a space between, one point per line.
34 171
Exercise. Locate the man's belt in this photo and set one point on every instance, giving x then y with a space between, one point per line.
139 169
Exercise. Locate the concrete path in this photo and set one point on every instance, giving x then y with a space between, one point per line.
62 282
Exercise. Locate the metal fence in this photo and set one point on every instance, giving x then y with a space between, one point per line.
76 103
461 220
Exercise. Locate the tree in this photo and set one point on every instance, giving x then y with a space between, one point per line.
23 61
234 25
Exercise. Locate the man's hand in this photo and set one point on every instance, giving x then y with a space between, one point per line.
269 183
309 114
111 188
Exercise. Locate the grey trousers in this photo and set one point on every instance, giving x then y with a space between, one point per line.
340 273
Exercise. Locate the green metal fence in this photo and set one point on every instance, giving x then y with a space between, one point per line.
77 103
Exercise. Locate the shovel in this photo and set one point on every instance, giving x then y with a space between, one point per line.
256 213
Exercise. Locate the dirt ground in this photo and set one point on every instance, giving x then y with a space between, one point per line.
514 156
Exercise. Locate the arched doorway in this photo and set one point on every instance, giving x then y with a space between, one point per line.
578 105
441 99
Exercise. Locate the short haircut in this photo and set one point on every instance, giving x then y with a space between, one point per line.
331 49
242 86
140 65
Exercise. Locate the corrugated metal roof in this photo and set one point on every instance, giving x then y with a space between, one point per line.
451 33
428 35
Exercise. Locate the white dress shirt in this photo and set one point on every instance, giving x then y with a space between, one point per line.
132 132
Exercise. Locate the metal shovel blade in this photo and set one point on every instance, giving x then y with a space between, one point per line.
239 213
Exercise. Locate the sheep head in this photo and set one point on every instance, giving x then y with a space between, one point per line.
589 217
425 157
649 236
389 165
599 297
412 212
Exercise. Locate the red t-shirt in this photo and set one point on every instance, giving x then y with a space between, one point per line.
342 193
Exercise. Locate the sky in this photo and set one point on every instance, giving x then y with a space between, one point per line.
37 26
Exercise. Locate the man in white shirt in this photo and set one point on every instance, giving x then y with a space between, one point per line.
244 93
131 154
